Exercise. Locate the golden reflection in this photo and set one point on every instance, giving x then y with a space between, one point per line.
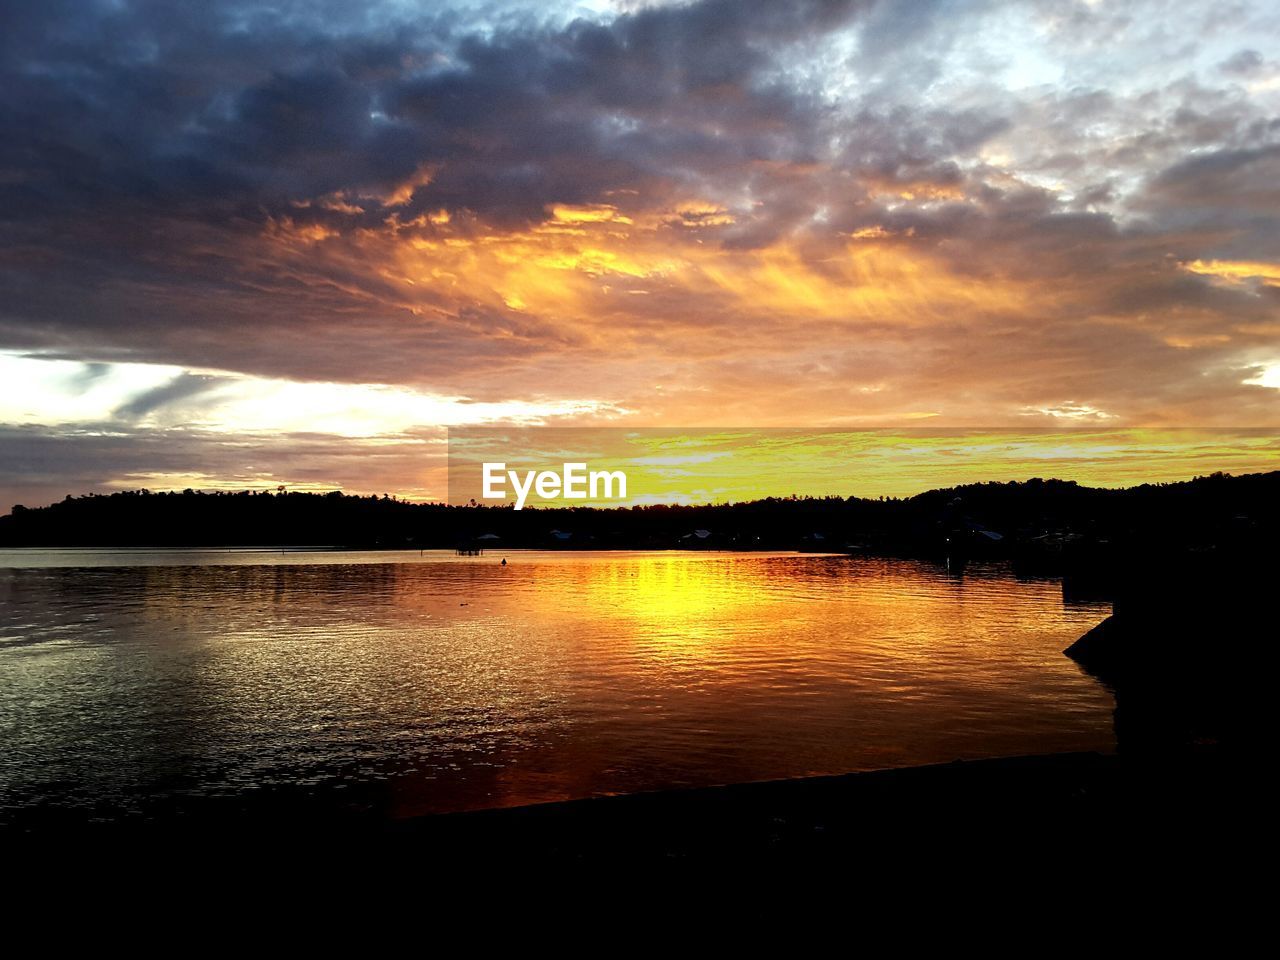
443 683
691 597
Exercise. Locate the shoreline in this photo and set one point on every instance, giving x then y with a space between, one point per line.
1068 804
1195 805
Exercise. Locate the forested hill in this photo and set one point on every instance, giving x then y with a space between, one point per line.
989 513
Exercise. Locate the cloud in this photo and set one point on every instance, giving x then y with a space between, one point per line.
182 387
1242 63
42 465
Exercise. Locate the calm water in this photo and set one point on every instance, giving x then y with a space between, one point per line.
134 684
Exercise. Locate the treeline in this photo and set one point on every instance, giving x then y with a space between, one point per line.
988 517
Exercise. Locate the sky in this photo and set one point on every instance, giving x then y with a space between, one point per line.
249 244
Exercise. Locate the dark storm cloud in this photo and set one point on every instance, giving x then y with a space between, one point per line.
144 142
212 105
1240 178
150 104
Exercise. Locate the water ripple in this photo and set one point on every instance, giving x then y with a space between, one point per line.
135 683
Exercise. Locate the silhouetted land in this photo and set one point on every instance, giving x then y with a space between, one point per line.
1043 525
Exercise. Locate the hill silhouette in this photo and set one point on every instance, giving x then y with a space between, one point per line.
1035 522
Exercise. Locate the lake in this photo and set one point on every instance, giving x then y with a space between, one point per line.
143 684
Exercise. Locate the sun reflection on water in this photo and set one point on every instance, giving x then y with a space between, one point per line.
435 683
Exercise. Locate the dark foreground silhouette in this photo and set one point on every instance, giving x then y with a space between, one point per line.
1070 814
1187 650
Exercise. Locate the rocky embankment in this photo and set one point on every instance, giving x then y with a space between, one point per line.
1187 648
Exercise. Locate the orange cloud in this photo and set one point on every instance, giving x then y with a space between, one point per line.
1236 271
587 213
